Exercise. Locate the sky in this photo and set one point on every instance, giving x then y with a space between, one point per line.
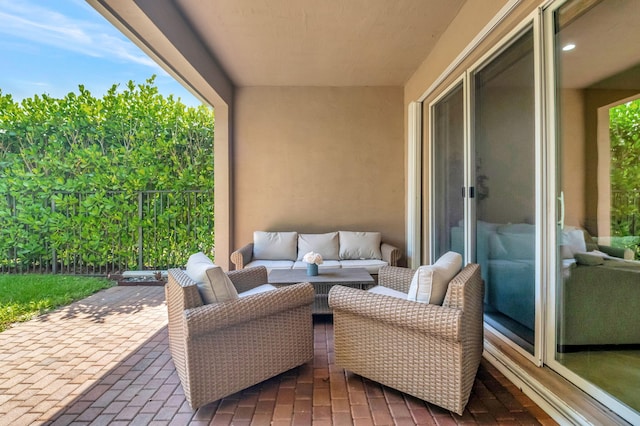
52 46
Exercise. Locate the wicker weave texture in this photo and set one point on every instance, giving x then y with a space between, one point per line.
223 348
430 352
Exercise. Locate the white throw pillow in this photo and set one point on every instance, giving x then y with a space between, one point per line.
430 282
275 245
214 285
573 239
360 245
328 245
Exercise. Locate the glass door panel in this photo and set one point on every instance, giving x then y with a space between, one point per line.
448 173
503 132
597 72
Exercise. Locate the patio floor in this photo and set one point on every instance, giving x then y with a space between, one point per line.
105 360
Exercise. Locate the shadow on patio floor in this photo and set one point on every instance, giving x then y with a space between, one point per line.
105 360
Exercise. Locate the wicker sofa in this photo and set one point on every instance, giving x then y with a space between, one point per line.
219 349
429 351
340 249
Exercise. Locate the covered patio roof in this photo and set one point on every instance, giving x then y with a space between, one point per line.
290 43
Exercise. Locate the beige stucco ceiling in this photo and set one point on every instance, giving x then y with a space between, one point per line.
319 43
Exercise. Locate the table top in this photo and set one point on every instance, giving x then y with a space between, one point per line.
292 276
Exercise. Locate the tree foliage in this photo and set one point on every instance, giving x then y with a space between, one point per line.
624 133
72 171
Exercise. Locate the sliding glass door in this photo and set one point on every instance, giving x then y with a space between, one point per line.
447 207
538 181
596 65
503 136
493 172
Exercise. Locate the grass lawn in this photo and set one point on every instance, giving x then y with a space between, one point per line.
24 296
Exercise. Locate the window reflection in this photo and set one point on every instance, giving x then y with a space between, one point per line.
599 128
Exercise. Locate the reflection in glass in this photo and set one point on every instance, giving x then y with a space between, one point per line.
448 173
504 141
598 92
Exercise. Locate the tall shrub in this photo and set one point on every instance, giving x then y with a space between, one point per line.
71 170
624 133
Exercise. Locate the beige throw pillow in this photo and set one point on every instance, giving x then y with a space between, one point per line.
213 284
328 245
430 282
360 245
275 245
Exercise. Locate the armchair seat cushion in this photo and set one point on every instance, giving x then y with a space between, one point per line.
257 290
386 291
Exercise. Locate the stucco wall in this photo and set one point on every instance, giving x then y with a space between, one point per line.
318 159
573 155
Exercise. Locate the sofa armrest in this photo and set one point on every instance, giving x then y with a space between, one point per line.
622 253
248 278
438 321
390 254
396 278
242 256
209 318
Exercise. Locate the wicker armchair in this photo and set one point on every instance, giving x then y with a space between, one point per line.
220 349
428 351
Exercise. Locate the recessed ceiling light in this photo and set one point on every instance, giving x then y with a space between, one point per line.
569 46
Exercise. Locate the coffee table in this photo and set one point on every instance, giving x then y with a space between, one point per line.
322 283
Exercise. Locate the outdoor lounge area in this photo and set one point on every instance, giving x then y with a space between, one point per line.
502 130
105 360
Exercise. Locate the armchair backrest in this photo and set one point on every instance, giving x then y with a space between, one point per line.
466 292
181 293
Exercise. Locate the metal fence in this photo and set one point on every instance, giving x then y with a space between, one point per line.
102 232
626 211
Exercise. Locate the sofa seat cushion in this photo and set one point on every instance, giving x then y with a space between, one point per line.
271 264
430 282
360 245
371 265
275 245
213 284
257 290
327 264
386 291
328 245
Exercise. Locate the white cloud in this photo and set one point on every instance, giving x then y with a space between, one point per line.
42 25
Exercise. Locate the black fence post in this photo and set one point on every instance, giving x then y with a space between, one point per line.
140 240
54 255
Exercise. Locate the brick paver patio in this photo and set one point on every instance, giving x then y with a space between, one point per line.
104 360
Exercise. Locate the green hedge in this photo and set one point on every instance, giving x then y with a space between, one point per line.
74 170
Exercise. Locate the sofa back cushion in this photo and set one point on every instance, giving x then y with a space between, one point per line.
275 245
328 245
514 241
213 284
360 245
430 282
